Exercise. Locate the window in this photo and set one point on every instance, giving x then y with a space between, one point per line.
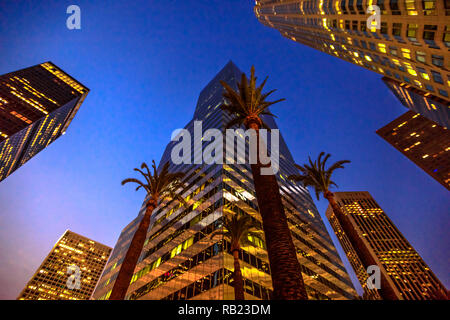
446 37
420 56
437 77
411 33
411 7
397 29
384 28
443 93
429 7
393 51
447 7
437 60
363 26
423 73
393 4
406 53
428 35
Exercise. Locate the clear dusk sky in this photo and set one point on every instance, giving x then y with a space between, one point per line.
145 63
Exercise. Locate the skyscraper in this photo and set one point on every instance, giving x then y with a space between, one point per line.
422 141
430 106
399 263
181 261
410 46
73 256
37 105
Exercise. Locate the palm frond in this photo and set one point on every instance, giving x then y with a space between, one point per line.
314 174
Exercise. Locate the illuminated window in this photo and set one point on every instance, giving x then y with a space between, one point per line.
429 7
406 53
421 56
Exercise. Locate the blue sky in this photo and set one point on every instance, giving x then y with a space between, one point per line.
145 64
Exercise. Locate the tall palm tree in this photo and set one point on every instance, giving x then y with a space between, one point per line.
317 176
159 186
238 229
247 105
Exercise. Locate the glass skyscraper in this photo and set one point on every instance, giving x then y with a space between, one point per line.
180 259
409 46
37 104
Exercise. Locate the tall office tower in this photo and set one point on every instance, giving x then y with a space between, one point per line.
422 141
399 263
180 259
410 46
37 105
431 107
70 271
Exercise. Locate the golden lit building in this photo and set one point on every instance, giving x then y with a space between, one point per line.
422 141
180 260
410 44
70 271
399 263
37 105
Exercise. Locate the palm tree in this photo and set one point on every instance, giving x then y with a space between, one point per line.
317 176
247 105
238 229
159 186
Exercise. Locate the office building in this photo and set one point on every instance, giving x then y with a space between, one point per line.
70 271
422 141
408 45
181 261
400 264
37 104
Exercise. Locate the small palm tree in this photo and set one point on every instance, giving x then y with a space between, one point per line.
238 229
159 186
317 176
247 105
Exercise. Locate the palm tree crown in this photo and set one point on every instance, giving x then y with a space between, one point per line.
316 175
159 186
248 103
238 229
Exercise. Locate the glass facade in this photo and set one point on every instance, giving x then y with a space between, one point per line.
180 259
51 278
37 105
429 106
411 44
399 262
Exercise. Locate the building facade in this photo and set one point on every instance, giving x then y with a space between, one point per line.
180 259
429 106
73 256
37 105
422 141
409 45
399 263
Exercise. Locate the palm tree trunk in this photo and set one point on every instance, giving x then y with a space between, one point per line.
285 269
387 291
237 277
128 265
